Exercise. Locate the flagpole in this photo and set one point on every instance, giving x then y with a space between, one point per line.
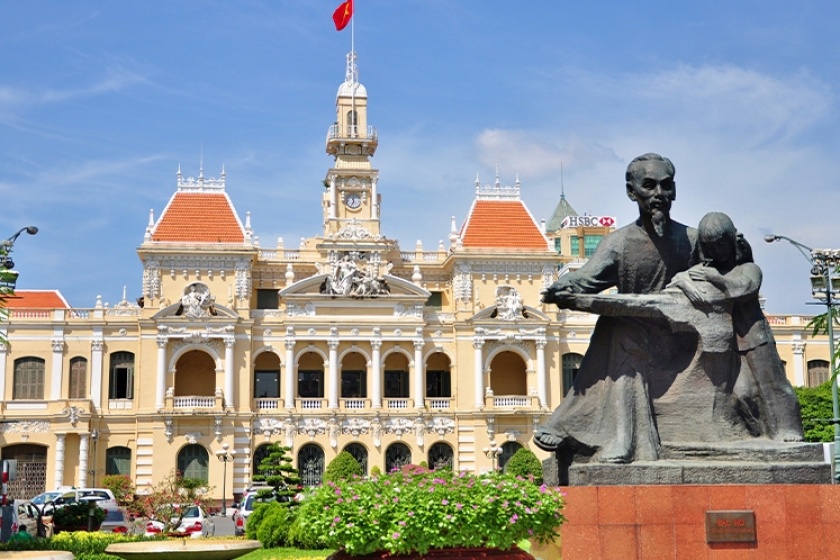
355 68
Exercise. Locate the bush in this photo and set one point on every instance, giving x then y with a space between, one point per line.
405 512
301 536
816 407
525 464
375 471
75 516
272 529
121 486
343 467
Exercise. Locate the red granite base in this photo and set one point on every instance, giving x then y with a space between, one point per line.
655 522
443 554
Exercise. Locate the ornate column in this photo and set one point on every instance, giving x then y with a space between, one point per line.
289 374
333 365
57 362
160 380
478 357
419 374
58 481
542 386
84 450
799 363
333 197
96 373
230 341
374 197
4 349
376 374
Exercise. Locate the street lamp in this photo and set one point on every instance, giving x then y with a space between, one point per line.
493 453
225 457
824 265
8 277
94 437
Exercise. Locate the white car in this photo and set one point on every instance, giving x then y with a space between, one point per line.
196 522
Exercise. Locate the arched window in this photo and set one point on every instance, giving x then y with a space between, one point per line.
508 449
78 378
359 452
571 365
311 465
397 455
438 377
192 462
267 376
118 461
311 376
353 377
818 372
121 376
396 376
29 379
441 456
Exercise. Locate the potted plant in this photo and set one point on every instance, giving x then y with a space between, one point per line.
78 516
431 514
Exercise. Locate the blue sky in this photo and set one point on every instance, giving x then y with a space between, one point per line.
101 101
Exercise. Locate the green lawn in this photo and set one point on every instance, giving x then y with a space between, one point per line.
286 554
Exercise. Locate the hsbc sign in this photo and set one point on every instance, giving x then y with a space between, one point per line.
587 221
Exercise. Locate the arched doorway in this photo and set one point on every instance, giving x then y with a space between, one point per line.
260 453
310 376
441 456
267 376
360 453
31 470
311 465
508 374
195 375
397 455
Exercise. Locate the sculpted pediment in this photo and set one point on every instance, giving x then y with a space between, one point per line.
324 286
501 314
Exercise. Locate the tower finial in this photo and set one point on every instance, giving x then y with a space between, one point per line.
562 188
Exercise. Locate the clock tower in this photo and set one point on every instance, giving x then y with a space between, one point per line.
351 200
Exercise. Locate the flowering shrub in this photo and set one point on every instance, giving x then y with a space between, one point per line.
406 512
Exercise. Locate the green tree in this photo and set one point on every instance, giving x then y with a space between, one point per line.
343 467
525 464
816 406
276 472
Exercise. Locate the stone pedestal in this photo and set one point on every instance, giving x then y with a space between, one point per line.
748 462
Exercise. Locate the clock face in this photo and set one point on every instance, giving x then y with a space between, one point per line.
353 201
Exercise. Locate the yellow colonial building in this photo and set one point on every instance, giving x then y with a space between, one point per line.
344 342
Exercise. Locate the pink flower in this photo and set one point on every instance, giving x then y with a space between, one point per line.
444 502
514 518
459 506
395 536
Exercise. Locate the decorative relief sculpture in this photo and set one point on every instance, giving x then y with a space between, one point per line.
508 304
349 280
197 302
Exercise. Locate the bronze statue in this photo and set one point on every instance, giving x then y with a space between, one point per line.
663 363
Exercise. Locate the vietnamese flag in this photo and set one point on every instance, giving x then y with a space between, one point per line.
342 14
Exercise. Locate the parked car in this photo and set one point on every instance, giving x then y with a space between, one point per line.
196 522
25 513
116 521
45 497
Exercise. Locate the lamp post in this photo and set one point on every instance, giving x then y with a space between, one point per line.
493 453
824 265
94 437
8 277
225 457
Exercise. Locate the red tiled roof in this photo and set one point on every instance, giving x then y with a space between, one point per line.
503 224
193 217
37 299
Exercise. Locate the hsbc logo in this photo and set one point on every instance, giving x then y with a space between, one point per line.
587 221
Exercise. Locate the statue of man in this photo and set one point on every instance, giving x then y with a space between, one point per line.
630 360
